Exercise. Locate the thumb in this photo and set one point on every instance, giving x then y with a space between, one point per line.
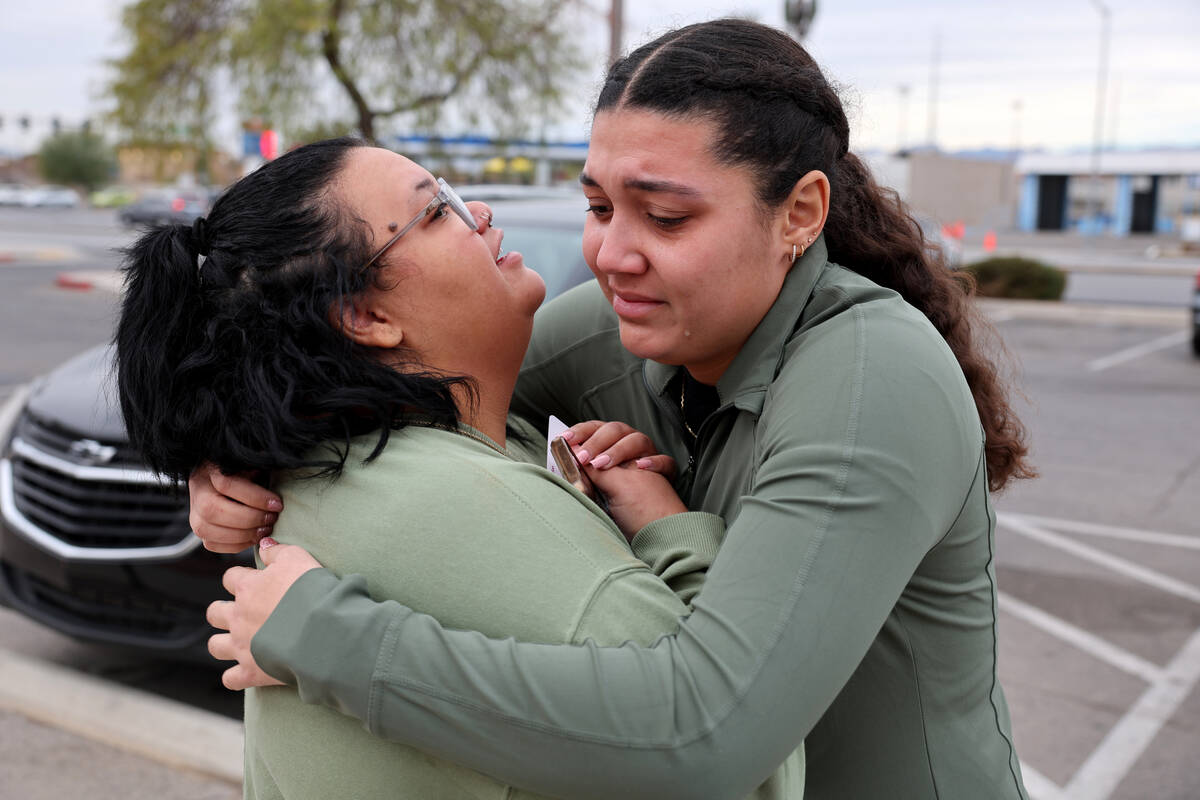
269 549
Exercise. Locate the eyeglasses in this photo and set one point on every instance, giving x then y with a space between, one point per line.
445 197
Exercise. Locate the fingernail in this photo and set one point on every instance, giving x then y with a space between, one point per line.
567 435
266 542
583 456
644 463
270 518
275 504
602 461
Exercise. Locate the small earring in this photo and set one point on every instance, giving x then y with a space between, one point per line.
793 252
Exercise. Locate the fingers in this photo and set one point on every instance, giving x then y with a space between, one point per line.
220 539
228 512
235 578
219 614
663 465
611 444
245 491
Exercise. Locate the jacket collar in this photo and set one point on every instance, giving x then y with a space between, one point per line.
745 383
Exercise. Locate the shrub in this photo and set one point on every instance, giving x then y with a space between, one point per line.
1018 278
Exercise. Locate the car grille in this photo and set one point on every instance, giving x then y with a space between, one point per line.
121 614
92 512
58 441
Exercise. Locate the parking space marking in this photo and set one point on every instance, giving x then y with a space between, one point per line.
1115 563
1137 351
1124 744
1039 786
1103 771
1092 529
1083 640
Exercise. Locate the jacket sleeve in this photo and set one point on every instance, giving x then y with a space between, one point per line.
857 475
680 548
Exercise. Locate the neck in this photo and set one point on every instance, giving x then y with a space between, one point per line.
487 412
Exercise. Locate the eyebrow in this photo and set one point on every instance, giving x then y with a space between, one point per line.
424 183
647 185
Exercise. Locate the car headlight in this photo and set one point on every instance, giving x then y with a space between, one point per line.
11 411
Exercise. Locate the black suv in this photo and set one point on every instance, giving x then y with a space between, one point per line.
98 547
91 543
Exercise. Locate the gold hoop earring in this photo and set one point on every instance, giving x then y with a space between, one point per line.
794 252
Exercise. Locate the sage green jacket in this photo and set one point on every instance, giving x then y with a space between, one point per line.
447 523
852 604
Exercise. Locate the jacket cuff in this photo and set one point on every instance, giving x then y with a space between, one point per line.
695 532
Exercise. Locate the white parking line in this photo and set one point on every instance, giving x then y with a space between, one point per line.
1115 563
1092 529
1089 643
1039 786
1130 353
1111 761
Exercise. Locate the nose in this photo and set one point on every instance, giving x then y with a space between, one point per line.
616 248
482 213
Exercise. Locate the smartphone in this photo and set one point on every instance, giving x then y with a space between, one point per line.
571 469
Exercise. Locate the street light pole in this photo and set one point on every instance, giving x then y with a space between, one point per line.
1098 127
616 26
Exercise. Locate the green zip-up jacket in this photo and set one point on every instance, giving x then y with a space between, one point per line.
852 604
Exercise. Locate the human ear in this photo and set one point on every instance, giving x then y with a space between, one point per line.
805 210
361 322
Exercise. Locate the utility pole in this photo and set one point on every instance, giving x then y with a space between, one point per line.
933 87
616 23
799 15
1098 126
902 119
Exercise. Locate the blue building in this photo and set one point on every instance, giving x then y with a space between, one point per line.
1150 191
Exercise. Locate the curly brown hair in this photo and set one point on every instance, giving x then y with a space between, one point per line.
777 115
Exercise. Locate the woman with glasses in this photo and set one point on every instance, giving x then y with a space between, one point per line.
771 317
344 322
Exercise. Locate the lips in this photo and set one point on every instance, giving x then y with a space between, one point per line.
633 305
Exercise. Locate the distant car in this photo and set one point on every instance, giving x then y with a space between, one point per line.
96 546
1196 317
112 197
163 206
11 194
49 197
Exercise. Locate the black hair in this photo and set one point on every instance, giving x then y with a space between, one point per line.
777 116
229 348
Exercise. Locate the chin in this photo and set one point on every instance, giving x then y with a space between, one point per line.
648 347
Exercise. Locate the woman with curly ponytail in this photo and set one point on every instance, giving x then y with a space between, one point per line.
773 319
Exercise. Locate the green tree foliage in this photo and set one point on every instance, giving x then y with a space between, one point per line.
297 62
78 158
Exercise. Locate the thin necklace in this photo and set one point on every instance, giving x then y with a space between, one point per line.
683 408
461 432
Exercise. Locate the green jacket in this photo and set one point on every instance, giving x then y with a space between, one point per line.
487 543
853 601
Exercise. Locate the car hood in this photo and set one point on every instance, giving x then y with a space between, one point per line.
81 396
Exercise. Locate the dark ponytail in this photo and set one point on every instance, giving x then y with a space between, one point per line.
227 346
778 116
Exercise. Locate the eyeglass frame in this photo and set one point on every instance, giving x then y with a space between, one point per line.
445 196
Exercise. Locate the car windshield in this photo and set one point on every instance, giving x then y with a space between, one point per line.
551 252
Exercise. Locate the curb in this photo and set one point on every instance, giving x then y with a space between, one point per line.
999 310
163 730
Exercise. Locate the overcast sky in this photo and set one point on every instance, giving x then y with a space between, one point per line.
1014 72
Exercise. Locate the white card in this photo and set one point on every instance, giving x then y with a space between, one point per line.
554 429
